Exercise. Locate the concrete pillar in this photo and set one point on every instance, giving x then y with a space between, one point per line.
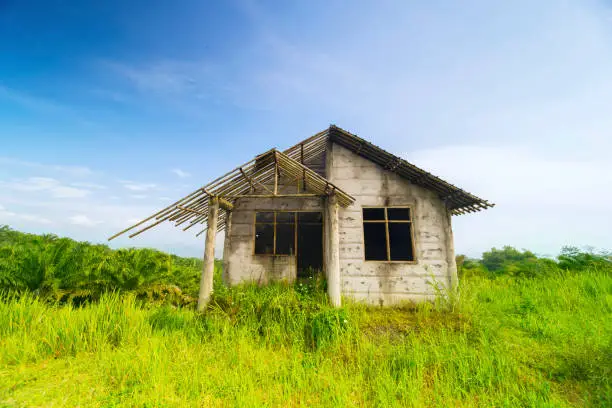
450 253
227 247
333 254
208 269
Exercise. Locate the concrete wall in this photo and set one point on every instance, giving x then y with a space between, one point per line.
382 282
240 262
374 282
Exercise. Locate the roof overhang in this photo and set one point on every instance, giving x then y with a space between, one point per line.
457 200
249 180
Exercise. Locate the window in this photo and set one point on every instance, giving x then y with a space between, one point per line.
387 233
275 233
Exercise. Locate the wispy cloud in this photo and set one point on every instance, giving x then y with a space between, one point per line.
136 186
181 173
9 217
139 196
78 171
33 102
92 186
185 86
83 221
45 106
163 76
48 185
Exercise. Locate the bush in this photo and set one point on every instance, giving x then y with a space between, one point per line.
572 258
67 270
497 260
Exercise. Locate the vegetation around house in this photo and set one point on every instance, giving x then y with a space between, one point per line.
83 325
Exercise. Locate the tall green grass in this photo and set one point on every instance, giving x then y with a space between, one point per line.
540 342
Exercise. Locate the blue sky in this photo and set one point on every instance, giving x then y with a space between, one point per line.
110 109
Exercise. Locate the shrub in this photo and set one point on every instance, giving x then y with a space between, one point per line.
572 258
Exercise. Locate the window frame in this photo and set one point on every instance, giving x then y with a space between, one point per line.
386 222
295 229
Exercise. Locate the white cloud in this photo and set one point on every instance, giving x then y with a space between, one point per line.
135 186
4 212
78 171
83 220
139 196
9 217
518 176
35 218
53 187
92 186
181 173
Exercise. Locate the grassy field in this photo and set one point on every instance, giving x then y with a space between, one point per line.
543 341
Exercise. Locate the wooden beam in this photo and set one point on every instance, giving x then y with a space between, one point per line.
277 195
275 174
303 170
225 204
252 181
165 210
191 210
247 178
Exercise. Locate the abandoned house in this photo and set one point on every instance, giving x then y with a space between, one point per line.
376 225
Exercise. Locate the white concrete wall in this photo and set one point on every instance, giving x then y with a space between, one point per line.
382 282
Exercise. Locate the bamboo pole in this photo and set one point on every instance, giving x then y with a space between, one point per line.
151 217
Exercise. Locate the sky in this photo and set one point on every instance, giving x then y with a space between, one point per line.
111 110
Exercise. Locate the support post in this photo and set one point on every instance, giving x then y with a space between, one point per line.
333 255
451 261
208 269
227 247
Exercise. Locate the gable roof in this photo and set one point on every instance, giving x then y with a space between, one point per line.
458 201
242 181
301 161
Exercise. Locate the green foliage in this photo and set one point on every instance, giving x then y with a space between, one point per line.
61 268
509 260
512 262
572 258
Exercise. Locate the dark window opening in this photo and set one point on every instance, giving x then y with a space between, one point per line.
291 233
398 214
400 241
264 239
375 241
373 214
310 217
285 239
310 247
388 234
264 217
285 217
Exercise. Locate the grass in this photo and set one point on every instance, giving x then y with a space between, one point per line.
539 342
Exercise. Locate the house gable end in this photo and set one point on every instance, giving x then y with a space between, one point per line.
317 147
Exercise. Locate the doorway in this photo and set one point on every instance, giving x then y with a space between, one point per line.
309 243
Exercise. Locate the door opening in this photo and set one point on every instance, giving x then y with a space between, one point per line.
309 243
